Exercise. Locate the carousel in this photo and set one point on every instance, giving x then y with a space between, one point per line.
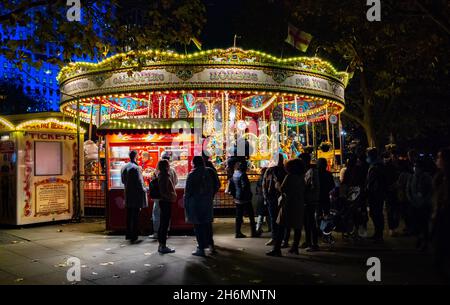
134 98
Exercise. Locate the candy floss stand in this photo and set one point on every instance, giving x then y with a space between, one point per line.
38 161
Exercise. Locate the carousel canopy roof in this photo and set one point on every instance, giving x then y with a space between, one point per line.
230 69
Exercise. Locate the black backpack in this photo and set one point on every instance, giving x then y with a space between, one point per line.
154 189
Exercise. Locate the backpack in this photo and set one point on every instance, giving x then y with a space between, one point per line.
154 189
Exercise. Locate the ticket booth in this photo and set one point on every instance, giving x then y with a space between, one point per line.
38 161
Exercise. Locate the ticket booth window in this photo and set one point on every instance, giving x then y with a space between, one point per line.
48 158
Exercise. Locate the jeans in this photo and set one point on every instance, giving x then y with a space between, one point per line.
311 228
273 214
156 216
202 234
240 208
376 213
132 223
165 208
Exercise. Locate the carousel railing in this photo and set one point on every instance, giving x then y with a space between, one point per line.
93 187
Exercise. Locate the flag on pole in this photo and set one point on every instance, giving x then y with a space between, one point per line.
298 39
197 43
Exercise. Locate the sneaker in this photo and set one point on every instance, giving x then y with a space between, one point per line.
199 252
271 242
285 245
212 250
165 250
274 253
240 235
153 236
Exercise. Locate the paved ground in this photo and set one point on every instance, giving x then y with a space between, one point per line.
38 255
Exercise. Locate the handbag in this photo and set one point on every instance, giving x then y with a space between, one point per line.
154 189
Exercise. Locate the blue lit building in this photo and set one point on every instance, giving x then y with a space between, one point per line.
38 84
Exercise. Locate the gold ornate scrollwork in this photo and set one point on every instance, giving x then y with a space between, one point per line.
184 72
279 75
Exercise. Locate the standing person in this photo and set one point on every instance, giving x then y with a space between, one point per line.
291 214
392 204
135 195
419 192
312 196
375 188
271 194
243 198
261 206
201 186
326 182
441 214
352 188
405 173
210 165
168 197
156 210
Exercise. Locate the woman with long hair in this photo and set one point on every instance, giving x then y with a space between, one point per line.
168 197
292 206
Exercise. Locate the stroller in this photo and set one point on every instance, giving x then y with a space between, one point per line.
341 215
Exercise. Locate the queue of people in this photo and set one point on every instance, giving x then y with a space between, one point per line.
295 195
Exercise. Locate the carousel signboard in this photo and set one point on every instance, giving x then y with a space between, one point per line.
206 78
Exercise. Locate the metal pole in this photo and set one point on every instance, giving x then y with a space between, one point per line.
307 132
340 140
90 121
297 120
328 124
148 105
314 138
77 207
334 151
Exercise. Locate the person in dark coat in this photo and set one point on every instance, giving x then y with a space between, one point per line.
292 206
261 207
326 182
312 196
271 194
135 195
376 189
210 165
441 214
419 193
242 195
168 197
201 185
